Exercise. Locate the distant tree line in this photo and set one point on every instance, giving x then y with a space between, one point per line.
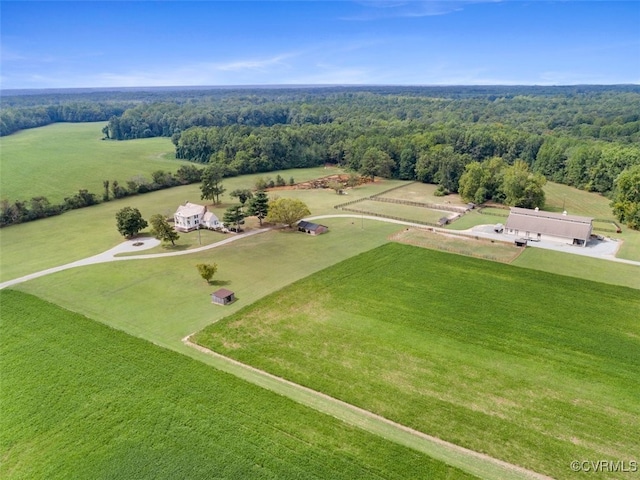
12 213
584 136
13 119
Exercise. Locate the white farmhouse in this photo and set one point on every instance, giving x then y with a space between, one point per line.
192 216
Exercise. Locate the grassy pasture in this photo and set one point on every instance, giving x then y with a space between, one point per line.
424 193
81 400
576 202
406 212
77 234
530 367
57 160
580 267
165 299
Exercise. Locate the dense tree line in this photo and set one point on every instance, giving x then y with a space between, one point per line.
12 213
584 136
13 119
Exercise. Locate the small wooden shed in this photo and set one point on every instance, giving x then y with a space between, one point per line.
312 228
223 296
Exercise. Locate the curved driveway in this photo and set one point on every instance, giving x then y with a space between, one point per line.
483 231
126 247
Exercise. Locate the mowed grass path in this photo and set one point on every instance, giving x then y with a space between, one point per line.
57 160
81 400
532 368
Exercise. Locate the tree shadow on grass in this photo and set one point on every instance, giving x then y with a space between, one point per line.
220 283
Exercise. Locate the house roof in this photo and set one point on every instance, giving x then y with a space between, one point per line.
222 293
209 216
312 226
548 223
190 209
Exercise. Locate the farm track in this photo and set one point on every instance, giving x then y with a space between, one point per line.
470 461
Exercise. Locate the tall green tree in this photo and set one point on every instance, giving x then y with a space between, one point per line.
162 230
523 188
207 270
376 162
259 206
129 221
287 211
211 187
234 216
626 203
242 194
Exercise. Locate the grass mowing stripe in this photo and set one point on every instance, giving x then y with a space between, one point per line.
533 368
81 400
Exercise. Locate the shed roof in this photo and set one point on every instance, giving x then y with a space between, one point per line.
311 226
548 223
222 293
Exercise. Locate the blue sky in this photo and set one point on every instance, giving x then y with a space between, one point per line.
178 43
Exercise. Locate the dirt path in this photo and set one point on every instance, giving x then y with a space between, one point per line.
470 461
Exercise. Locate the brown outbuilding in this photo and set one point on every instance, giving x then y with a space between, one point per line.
312 228
223 296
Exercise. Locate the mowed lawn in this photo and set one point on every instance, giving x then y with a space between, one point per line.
49 242
81 400
533 368
165 299
57 160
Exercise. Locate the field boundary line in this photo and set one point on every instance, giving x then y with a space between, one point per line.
470 461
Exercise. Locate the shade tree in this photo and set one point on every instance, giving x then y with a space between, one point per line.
287 211
129 221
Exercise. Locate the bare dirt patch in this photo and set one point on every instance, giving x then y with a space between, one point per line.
463 245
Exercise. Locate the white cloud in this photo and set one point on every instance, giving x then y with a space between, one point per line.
261 64
378 9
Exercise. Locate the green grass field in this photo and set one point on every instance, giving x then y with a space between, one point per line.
424 193
406 212
57 160
81 400
77 234
530 367
580 267
165 299
576 202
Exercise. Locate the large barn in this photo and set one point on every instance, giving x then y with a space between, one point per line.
556 227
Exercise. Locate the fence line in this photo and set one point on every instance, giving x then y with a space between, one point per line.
432 206
397 187
373 214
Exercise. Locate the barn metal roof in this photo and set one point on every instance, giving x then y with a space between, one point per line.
548 223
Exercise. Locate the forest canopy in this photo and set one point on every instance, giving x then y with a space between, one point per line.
584 136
